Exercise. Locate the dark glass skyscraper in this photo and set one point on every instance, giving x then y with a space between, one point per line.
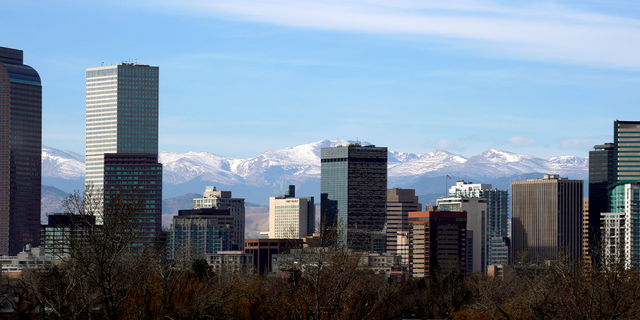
353 193
137 177
20 153
602 172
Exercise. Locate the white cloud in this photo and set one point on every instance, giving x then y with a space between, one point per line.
518 141
539 32
444 144
576 144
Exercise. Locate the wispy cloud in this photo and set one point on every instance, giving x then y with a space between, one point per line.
444 144
518 141
538 32
576 144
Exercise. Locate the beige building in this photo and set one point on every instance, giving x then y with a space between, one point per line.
476 209
291 217
399 203
546 219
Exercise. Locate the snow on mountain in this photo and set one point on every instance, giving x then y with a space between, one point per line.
275 168
60 163
424 163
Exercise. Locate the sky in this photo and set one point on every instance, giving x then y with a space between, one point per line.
240 77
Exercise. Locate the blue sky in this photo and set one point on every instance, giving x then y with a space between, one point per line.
239 77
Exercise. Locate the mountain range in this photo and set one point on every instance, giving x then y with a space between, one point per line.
269 173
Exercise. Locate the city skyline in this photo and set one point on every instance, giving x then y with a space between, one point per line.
415 76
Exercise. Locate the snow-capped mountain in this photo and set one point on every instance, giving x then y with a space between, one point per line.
60 163
274 169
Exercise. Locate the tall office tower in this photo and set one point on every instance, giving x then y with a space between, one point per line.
20 153
437 238
137 177
399 203
197 233
621 226
215 199
121 115
291 217
546 218
476 209
626 145
602 173
353 194
497 215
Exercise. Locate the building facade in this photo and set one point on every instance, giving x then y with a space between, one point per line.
399 203
291 217
626 149
546 219
437 240
121 114
20 153
353 195
135 177
602 173
263 251
198 233
214 199
496 218
476 209
621 226
63 229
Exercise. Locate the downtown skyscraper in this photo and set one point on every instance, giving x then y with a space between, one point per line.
122 139
353 194
546 219
121 114
20 153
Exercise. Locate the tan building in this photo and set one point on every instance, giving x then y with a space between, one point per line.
476 209
291 217
437 240
399 203
546 219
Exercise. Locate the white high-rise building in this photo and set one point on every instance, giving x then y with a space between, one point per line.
121 114
291 217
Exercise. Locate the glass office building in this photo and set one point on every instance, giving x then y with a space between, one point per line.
621 226
353 194
121 114
20 153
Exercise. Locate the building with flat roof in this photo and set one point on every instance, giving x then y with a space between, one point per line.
199 232
215 199
399 203
121 114
602 173
20 152
136 177
353 195
476 209
621 227
495 219
438 240
65 230
264 249
546 219
291 216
